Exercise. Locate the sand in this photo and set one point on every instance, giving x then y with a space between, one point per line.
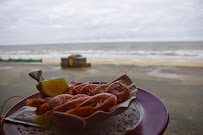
179 86
157 62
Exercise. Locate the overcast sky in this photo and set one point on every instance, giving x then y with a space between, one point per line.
63 21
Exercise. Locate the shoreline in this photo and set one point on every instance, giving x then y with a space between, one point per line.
161 62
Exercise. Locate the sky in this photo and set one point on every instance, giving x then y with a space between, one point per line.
64 21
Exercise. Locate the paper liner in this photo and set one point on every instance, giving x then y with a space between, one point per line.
72 121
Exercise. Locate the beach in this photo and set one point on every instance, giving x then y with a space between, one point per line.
179 87
157 62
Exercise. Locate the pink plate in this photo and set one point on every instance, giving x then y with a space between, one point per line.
154 120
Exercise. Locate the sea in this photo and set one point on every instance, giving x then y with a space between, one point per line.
107 50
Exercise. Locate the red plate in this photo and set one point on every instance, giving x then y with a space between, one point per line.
155 115
154 121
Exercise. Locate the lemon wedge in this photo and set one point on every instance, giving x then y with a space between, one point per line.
52 87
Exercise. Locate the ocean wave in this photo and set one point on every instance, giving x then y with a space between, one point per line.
119 52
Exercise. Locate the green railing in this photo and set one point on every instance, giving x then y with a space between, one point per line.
20 60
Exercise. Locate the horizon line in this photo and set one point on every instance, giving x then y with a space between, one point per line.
101 41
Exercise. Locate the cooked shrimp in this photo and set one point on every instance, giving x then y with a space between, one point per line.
71 87
37 102
75 89
72 103
99 102
49 102
100 88
102 101
89 89
81 111
119 89
78 96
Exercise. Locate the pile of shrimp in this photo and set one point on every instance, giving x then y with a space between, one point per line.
83 99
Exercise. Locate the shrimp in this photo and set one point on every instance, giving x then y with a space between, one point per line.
100 89
75 89
48 103
81 111
71 87
37 102
99 102
72 103
119 89
102 101
89 89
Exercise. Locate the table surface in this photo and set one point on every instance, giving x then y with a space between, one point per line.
154 121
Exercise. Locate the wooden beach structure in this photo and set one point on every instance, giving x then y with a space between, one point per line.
74 61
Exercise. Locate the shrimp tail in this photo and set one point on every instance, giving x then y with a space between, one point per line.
35 102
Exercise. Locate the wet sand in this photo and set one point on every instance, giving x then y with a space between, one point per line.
155 62
179 87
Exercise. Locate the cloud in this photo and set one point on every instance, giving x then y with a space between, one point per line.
51 21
